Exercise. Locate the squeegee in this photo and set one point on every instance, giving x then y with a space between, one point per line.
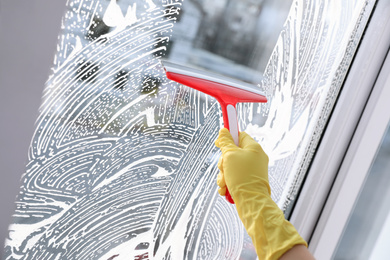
227 91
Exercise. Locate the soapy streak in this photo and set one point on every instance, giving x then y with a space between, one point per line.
104 54
91 88
129 105
123 36
107 181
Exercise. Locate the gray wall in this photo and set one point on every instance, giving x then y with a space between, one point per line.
28 36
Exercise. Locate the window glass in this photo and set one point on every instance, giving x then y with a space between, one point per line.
122 164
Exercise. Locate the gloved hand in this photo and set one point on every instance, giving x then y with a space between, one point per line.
244 170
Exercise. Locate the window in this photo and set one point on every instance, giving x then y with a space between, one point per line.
122 162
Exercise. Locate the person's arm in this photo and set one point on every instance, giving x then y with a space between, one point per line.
297 252
244 170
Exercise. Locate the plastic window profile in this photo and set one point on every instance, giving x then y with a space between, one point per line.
354 169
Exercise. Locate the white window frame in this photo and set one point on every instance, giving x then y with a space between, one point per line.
350 142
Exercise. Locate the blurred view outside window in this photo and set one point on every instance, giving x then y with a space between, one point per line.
122 163
367 233
235 38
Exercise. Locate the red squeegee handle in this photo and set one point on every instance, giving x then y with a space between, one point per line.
230 122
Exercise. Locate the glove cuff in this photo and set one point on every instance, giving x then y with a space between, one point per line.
271 233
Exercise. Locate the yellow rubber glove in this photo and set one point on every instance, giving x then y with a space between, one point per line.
244 170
